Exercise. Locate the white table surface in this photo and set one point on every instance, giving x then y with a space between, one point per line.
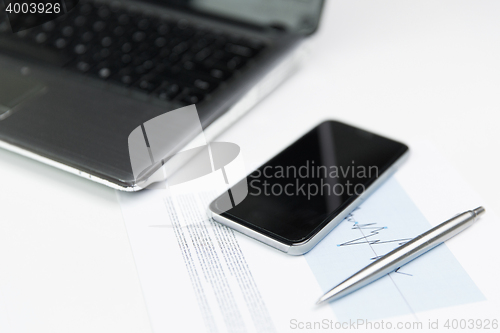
404 69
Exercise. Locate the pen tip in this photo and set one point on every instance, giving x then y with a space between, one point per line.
479 210
321 300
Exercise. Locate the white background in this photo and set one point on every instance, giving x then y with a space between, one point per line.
404 69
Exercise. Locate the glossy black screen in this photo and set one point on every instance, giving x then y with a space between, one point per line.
299 16
332 158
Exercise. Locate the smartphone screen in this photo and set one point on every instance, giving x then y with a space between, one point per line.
295 194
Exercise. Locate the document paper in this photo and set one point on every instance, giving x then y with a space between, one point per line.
199 275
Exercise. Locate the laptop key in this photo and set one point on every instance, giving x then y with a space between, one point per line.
81 64
239 50
253 43
60 43
103 70
147 85
41 38
192 96
219 74
167 58
126 76
49 26
168 91
80 49
235 63
98 26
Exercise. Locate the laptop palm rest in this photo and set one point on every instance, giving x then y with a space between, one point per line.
15 89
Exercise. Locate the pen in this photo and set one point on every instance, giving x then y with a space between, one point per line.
403 254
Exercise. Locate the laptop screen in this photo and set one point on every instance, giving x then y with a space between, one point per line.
300 16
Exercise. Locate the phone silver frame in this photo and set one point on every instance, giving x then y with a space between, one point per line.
307 245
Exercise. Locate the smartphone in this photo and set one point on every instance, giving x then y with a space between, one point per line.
295 199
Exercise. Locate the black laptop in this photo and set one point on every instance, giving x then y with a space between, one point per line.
72 89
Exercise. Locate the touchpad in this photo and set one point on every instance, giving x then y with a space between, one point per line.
14 89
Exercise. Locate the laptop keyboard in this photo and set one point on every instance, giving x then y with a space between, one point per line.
172 60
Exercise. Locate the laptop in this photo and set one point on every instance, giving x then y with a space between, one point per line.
72 89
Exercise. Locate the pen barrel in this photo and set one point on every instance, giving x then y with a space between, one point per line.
404 254
424 242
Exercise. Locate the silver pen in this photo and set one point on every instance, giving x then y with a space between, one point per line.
403 254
